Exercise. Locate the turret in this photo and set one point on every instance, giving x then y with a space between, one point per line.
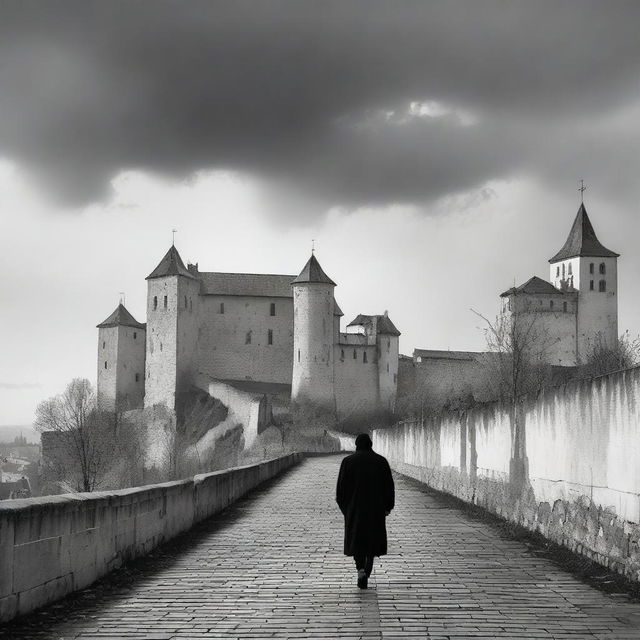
313 337
584 265
121 361
172 308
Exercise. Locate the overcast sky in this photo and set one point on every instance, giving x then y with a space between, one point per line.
432 150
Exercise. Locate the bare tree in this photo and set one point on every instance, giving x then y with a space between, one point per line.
518 345
605 358
84 437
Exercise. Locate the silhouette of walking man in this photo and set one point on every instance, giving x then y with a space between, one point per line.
365 495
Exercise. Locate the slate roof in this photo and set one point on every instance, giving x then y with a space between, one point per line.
337 311
534 286
312 272
384 324
170 265
582 241
440 354
246 284
121 318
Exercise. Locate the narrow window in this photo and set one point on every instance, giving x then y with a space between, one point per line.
569 271
104 344
355 355
364 356
388 344
590 285
602 285
564 307
247 338
395 377
557 272
591 267
137 377
341 354
190 304
135 335
298 355
272 310
387 367
165 302
155 302
563 272
270 336
105 364
185 302
222 307
161 346
550 304
602 268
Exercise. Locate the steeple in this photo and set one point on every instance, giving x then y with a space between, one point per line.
582 241
121 317
312 272
170 265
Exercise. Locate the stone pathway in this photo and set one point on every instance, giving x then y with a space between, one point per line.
271 566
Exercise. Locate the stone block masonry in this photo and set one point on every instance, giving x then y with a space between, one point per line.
565 463
52 546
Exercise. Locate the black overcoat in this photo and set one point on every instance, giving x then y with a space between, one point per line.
364 493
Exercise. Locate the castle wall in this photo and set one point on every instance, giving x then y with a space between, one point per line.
131 363
387 371
356 381
222 349
161 362
313 344
107 367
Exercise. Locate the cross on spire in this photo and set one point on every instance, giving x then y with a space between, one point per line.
123 297
313 246
173 236
581 189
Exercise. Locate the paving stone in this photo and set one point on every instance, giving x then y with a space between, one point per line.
271 566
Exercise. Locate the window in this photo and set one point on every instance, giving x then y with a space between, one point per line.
590 285
165 302
602 285
155 302
104 344
221 308
270 336
247 338
563 271
105 364
272 310
569 270
388 344
550 304
185 302
557 272
355 355
364 356
190 304
591 267
137 377
161 346
341 354
135 335
387 367
602 268
298 355
564 307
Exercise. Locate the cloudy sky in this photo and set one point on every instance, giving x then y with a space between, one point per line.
432 150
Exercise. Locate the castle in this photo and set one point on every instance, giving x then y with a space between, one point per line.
265 332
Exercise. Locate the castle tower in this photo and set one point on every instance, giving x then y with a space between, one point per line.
121 361
387 341
313 337
172 329
585 266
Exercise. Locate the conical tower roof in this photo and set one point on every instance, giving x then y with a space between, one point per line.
170 265
313 272
582 241
121 318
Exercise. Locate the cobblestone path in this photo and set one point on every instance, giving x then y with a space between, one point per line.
271 566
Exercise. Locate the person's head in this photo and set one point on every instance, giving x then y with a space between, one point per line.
363 442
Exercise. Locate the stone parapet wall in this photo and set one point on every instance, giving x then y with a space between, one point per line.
52 546
565 463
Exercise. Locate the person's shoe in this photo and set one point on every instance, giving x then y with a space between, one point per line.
362 579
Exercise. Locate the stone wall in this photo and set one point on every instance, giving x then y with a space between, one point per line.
565 463
356 380
54 545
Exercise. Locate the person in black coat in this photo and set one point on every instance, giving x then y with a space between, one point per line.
365 495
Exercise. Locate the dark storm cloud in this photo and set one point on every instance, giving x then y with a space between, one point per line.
314 95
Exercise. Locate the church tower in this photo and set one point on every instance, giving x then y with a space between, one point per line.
121 355
172 330
313 337
585 266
